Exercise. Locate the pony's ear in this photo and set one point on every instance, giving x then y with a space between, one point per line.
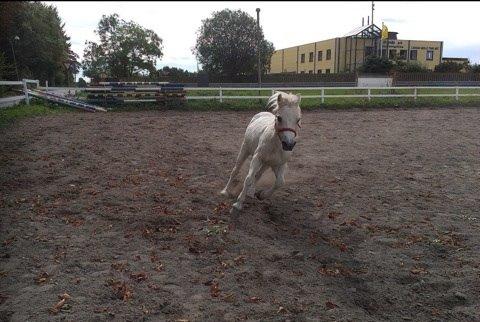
279 99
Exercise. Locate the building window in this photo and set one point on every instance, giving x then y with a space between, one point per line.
329 54
319 71
384 53
429 54
310 71
392 54
413 54
320 55
327 71
310 57
403 54
302 72
302 58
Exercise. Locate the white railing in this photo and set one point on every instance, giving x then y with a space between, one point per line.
414 92
8 101
323 93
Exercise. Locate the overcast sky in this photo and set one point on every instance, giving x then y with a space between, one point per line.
285 24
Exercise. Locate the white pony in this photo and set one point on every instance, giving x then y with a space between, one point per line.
270 138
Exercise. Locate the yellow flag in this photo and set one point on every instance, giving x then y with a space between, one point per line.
384 31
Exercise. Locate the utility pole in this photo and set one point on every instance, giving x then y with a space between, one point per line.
258 50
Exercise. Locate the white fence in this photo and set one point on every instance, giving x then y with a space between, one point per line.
13 100
321 92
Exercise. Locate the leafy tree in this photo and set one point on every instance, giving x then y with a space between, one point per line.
450 67
81 82
126 49
37 35
409 67
174 71
374 64
474 68
72 66
5 67
227 44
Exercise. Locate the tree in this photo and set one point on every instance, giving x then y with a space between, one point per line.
5 68
81 82
375 64
126 49
450 67
474 68
174 71
408 67
37 36
72 66
227 44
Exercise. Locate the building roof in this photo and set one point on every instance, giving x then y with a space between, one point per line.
362 29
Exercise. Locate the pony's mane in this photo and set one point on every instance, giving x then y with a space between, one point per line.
289 99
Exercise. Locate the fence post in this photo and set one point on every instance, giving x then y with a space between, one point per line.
369 97
456 93
221 95
25 90
323 95
46 86
415 93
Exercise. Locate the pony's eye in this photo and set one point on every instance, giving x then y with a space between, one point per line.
279 118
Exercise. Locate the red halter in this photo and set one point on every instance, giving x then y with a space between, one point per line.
285 129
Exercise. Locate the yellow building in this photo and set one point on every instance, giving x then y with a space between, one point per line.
347 53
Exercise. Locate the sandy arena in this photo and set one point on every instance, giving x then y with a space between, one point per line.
379 219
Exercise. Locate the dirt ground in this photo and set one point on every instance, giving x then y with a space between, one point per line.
379 219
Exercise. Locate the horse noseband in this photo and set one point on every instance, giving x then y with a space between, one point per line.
287 129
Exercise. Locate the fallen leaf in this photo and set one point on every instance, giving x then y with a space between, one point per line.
281 309
139 277
214 289
57 307
418 270
333 215
42 277
63 299
239 259
253 299
330 305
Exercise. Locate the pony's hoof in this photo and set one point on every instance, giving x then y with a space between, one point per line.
236 208
224 193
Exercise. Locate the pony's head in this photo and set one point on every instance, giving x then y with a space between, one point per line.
286 108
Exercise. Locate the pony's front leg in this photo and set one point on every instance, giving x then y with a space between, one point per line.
255 166
279 181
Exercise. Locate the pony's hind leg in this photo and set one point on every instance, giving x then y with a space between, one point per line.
242 156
